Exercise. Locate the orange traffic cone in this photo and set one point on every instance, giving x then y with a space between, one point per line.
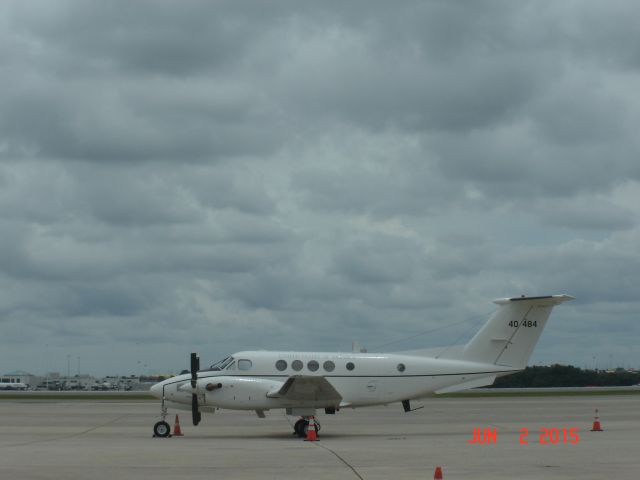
176 428
438 474
312 436
596 424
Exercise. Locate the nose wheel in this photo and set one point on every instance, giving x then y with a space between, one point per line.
161 429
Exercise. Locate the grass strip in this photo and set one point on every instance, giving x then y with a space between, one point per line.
119 398
575 393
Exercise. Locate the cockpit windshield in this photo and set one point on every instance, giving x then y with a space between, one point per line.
222 364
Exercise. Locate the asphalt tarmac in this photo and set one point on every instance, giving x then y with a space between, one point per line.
113 439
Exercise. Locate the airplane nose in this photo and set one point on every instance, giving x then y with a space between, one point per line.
156 390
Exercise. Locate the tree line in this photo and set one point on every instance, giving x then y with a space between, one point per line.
567 376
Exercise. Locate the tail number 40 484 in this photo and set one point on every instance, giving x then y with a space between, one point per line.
523 323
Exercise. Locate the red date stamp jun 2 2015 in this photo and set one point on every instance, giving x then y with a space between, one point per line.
551 436
544 436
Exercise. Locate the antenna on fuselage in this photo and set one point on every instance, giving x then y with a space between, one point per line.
356 348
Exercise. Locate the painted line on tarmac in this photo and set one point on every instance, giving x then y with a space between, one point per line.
71 435
353 469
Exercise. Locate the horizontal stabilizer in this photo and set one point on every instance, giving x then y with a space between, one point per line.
478 382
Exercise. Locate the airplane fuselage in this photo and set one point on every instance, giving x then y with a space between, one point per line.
13 386
250 379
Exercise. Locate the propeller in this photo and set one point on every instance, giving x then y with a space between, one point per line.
195 366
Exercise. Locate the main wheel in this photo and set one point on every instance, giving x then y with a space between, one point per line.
300 428
161 429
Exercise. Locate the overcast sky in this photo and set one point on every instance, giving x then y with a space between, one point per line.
225 175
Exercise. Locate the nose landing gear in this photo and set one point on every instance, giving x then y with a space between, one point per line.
162 428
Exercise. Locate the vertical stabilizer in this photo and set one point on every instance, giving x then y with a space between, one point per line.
509 337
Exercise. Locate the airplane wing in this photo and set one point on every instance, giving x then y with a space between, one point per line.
307 388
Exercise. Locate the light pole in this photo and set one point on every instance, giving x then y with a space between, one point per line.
46 347
138 360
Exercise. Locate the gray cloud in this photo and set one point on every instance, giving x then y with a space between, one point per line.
221 176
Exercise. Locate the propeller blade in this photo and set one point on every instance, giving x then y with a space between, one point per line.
195 413
195 366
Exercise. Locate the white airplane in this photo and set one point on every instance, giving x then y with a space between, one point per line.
13 386
302 382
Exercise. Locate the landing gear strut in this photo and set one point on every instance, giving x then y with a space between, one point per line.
162 428
301 426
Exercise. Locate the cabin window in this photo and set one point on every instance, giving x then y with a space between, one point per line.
350 366
296 365
281 365
401 367
329 366
244 364
313 365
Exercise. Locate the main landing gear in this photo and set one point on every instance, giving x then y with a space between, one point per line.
301 426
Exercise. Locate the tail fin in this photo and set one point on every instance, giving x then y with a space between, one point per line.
508 338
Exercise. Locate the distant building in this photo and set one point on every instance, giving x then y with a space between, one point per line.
20 376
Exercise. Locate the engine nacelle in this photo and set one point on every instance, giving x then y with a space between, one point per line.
248 393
